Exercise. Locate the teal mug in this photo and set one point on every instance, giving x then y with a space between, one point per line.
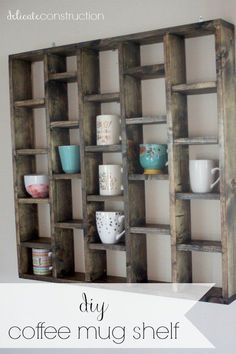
153 157
70 158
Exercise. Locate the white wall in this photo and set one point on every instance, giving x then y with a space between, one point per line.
121 17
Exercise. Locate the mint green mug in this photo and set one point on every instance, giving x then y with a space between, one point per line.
70 158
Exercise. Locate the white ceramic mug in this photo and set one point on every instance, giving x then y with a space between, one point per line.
42 261
110 180
108 129
202 175
110 226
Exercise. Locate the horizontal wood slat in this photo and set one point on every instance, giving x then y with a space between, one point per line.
70 224
63 77
160 229
103 198
103 97
42 242
146 72
147 120
200 246
103 148
195 89
66 176
104 247
33 103
70 124
31 151
146 177
189 196
207 140
33 201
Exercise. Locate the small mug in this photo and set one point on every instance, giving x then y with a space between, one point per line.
42 261
153 158
110 226
108 129
202 175
110 180
70 158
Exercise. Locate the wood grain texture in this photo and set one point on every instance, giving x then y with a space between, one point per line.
134 197
201 140
146 72
104 247
147 120
64 77
178 156
200 246
146 177
41 242
103 97
69 176
159 229
70 124
32 103
103 148
70 224
190 196
104 198
196 88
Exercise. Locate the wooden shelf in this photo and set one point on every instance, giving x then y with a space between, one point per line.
103 148
146 177
70 224
190 196
23 152
160 229
77 277
104 198
33 201
103 97
63 77
104 247
146 72
195 89
33 103
65 124
47 278
66 176
147 120
200 246
41 242
207 140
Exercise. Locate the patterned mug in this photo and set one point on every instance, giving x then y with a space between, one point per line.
42 261
110 180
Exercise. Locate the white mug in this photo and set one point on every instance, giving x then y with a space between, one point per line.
110 226
110 178
108 129
202 174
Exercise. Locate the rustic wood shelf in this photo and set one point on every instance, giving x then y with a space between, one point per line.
103 148
147 120
159 229
47 278
191 196
207 140
146 72
31 152
33 103
103 97
70 224
104 247
70 124
66 176
146 177
200 246
64 77
41 242
195 89
90 99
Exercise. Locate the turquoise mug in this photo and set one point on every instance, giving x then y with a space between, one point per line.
70 158
153 157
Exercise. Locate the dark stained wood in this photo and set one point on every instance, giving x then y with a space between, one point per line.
64 77
103 198
132 136
206 140
160 229
178 157
103 148
70 124
66 176
41 242
104 247
147 120
146 177
225 70
195 89
200 246
146 72
89 84
31 151
103 97
33 103
70 224
190 196
33 200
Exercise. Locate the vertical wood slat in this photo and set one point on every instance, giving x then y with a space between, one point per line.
132 136
226 98
88 83
56 101
174 49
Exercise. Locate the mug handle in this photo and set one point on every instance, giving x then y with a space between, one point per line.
213 172
120 219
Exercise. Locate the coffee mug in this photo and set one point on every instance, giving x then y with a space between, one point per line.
110 226
70 158
202 174
153 157
108 129
110 180
42 261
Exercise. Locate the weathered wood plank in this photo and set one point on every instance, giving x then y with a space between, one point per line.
103 198
146 177
33 103
103 97
178 156
33 201
66 176
70 224
195 89
200 140
70 124
104 247
64 77
41 242
160 229
147 120
146 72
103 148
31 152
190 196
200 246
